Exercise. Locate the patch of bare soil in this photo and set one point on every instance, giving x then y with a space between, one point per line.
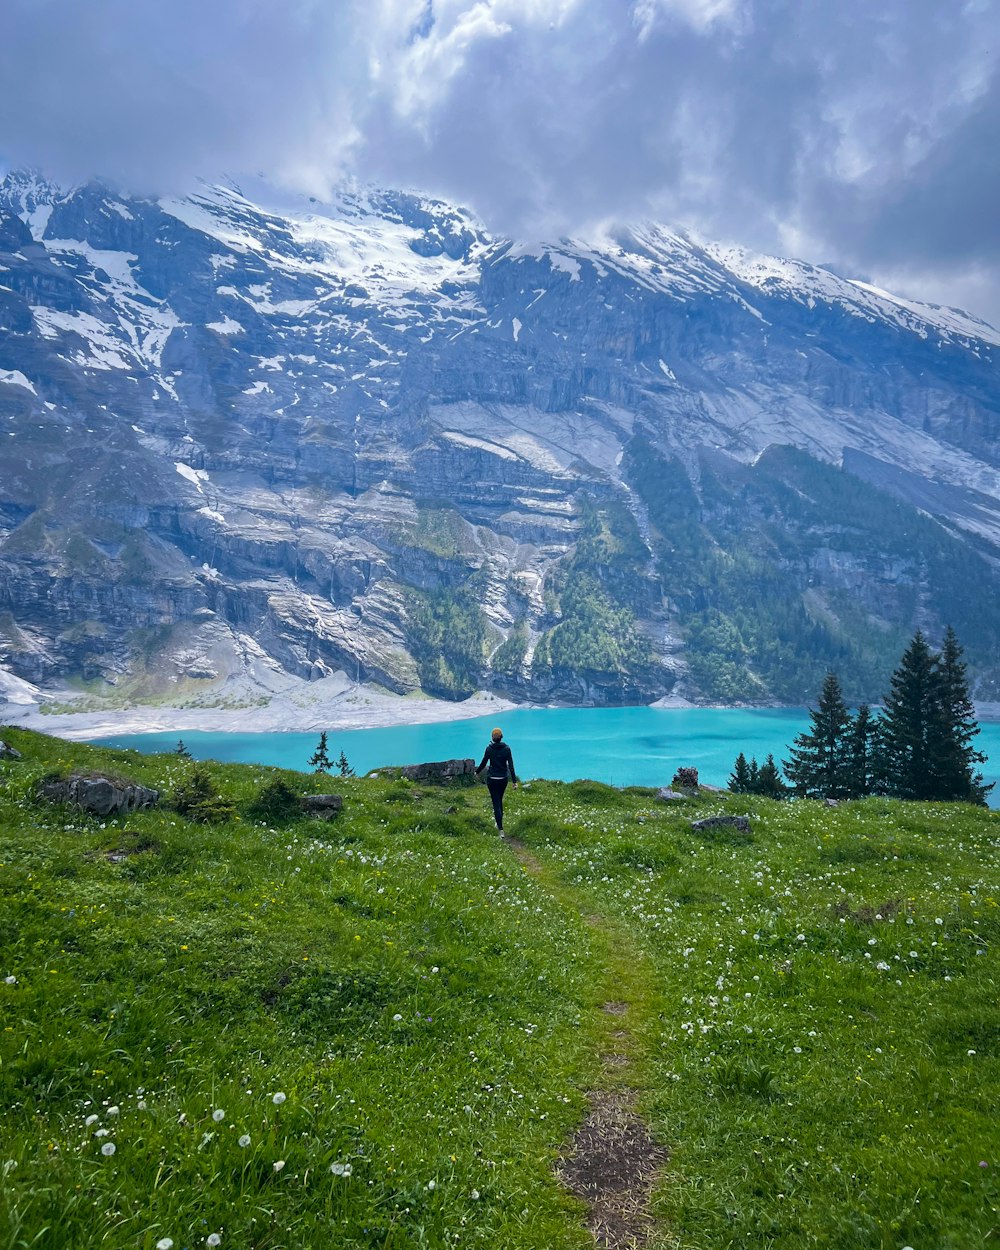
529 860
615 1008
613 1166
614 1061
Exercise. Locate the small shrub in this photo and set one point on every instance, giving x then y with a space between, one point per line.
749 1078
276 803
197 799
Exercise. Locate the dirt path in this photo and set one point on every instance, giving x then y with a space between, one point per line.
612 1163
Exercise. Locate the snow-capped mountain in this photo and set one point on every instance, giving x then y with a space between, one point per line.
238 432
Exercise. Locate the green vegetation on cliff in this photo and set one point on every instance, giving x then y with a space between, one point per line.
447 636
788 568
381 1031
594 592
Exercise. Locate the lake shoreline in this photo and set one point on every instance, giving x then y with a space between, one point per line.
335 704
283 705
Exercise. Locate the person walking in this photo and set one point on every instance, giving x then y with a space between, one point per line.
500 770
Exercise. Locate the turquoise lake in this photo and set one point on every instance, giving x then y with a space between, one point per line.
622 746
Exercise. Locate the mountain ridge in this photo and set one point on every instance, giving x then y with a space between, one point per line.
387 443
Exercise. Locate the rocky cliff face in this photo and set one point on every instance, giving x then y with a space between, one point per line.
366 436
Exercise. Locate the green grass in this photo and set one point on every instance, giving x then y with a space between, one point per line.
432 1014
821 1051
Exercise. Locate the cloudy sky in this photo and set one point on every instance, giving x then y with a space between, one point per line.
864 133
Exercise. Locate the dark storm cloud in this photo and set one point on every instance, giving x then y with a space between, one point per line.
859 133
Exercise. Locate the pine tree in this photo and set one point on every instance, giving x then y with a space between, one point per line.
182 750
955 758
343 767
861 753
754 776
739 780
320 760
769 783
911 730
820 763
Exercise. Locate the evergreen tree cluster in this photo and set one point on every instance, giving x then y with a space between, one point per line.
919 747
764 779
321 763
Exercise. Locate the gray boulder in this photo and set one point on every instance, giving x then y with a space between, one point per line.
101 796
8 752
321 806
443 770
740 823
670 796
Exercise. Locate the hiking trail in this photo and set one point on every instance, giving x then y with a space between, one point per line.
612 1163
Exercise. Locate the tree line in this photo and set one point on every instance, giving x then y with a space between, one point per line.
919 746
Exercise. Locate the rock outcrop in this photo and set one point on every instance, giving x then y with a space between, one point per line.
322 806
9 752
442 770
740 823
100 796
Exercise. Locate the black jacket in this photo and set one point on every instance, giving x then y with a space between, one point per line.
500 760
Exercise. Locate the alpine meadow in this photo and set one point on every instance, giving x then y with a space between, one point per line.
499 625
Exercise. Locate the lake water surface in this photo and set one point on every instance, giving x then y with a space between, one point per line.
621 746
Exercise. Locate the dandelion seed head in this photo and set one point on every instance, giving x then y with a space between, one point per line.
108 1148
213 1239
218 1116
279 1164
114 1111
91 1119
245 1140
165 1243
278 1098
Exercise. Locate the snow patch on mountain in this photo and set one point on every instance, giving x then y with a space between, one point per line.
14 377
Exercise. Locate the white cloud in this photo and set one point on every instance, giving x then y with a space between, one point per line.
701 15
867 131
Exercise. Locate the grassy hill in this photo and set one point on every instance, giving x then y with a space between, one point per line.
386 1031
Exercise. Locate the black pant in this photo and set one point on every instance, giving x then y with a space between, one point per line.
497 785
